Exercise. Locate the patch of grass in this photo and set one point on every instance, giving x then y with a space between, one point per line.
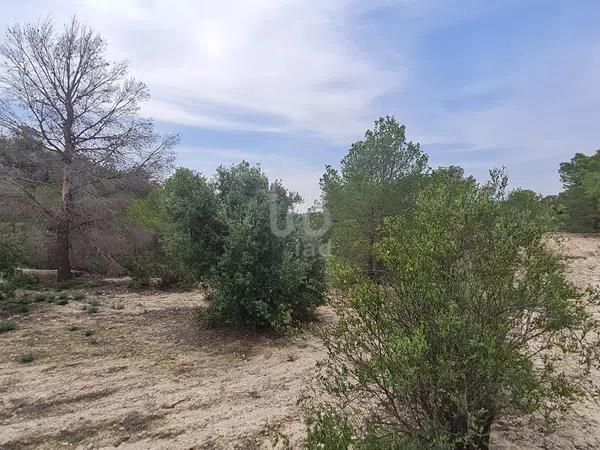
7 325
62 301
26 358
40 297
64 296
94 303
91 309
78 295
88 333
22 308
69 284
50 297
74 328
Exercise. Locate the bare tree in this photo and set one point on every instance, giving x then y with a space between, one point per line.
61 92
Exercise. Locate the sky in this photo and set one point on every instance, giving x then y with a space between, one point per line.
291 84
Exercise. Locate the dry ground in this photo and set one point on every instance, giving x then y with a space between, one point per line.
148 377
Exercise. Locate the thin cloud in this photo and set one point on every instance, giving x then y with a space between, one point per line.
292 60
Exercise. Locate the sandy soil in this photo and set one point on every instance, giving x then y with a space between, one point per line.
148 377
580 429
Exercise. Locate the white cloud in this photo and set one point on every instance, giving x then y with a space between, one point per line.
292 63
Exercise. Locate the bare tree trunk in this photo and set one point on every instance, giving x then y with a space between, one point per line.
63 256
63 235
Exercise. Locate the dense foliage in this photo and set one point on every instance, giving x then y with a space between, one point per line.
194 239
224 233
188 233
262 279
379 178
469 324
580 201
11 277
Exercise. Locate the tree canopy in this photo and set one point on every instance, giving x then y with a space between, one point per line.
580 199
379 178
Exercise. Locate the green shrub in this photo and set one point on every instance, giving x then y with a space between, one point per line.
579 203
141 269
91 309
260 280
327 430
150 270
88 333
7 291
469 325
194 241
24 280
7 325
10 256
26 358
78 295
41 297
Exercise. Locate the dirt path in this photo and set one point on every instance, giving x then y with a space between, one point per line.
147 377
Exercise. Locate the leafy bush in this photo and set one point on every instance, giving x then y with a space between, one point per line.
7 291
41 297
580 201
91 309
26 358
261 279
470 324
79 295
194 240
146 268
10 256
184 215
141 269
24 280
7 325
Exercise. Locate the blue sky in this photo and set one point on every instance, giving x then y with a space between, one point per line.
291 84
